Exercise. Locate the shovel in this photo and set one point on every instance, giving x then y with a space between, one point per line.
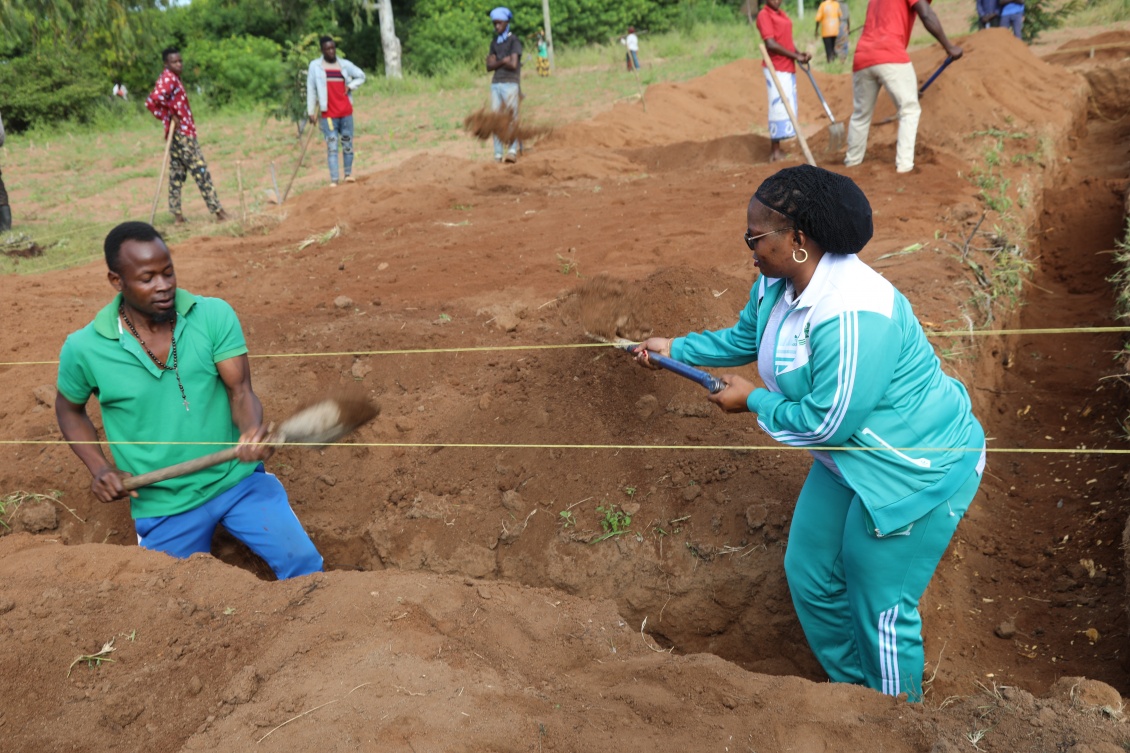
323 422
712 383
922 89
709 381
836 136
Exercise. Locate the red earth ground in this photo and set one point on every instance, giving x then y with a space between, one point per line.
470 602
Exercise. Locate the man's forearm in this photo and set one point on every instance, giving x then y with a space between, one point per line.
246 410
78 428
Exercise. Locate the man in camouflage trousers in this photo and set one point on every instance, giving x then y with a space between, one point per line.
169 104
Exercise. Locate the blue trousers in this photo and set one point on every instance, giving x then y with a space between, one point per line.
504 95
1015 22
256 511
856 594
338 131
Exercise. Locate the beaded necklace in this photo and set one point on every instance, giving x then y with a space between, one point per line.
163 365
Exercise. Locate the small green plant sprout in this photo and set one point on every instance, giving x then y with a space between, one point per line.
568 519
95 659
630 491
569 264
229 611
444 318
614 523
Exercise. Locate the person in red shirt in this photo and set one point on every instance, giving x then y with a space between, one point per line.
881 61
330 81
169 104
776 28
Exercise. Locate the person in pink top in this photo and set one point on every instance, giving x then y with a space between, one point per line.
776 28
169 104
881 61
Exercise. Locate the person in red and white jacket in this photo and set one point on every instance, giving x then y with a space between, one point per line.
330 81
169 104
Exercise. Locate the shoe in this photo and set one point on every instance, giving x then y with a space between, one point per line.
903 170
333 184
179 219
498 158
222 216
511 157
350 179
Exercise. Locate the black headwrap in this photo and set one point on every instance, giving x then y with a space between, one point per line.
826 206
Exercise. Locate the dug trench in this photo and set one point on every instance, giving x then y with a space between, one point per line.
548 469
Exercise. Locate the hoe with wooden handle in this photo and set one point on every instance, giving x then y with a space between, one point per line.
321 423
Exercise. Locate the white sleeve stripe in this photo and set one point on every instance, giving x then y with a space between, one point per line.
845 384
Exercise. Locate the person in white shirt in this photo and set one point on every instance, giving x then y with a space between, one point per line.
632 56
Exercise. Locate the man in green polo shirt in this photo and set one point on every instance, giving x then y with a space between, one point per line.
170 368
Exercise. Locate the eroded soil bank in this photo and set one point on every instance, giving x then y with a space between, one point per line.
469 604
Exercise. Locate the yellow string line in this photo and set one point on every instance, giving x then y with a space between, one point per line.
505 446
495 348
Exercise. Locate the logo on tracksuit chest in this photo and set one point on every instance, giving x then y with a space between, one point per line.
792 349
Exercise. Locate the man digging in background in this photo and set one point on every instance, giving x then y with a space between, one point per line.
170 372
881 61
169 104
505 59
330 80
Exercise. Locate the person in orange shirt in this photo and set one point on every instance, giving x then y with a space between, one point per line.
828 26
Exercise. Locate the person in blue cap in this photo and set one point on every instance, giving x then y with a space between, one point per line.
505 59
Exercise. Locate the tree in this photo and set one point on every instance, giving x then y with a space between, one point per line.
389 41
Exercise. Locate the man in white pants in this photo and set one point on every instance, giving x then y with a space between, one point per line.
881 61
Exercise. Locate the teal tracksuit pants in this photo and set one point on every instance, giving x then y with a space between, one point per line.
857 594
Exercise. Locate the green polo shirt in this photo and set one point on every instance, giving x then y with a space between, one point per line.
142 403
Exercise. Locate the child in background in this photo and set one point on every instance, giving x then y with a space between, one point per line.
543 54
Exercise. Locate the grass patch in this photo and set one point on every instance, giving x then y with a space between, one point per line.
10 503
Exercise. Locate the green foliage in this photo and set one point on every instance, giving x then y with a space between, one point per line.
290 99
614 522
446 32
238 69
50 89
1040 16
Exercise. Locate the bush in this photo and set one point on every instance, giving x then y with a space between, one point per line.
50 88
235 70
443 33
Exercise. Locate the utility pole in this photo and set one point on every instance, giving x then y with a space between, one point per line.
548 32
800 9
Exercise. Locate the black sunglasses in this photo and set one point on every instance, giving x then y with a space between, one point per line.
751 240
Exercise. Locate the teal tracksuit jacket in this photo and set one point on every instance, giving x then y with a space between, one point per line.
855 370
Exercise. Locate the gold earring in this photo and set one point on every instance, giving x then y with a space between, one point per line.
800 261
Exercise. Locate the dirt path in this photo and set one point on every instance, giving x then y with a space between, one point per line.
471 603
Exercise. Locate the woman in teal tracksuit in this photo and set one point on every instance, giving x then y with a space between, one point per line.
848 372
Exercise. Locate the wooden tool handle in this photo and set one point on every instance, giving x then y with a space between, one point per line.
173 125
788 105
180 469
